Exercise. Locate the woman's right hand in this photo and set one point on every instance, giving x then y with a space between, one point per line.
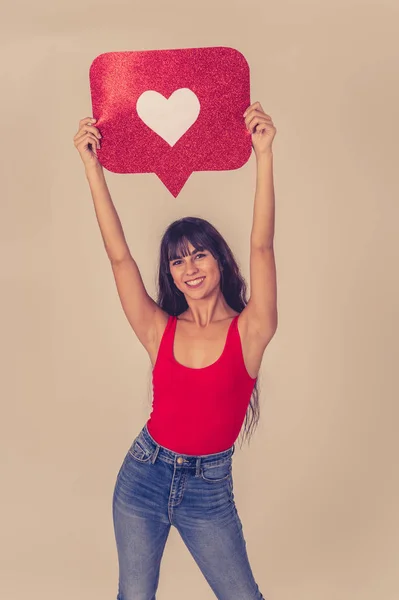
87 141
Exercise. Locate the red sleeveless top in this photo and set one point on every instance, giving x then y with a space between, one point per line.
199 411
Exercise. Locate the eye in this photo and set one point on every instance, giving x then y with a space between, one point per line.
196 256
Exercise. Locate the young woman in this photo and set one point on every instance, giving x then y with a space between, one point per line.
205 342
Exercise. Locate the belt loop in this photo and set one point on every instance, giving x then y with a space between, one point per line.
197 470
154 456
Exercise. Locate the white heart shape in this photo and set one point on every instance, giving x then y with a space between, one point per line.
169 118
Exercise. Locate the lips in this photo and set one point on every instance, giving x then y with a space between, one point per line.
198 284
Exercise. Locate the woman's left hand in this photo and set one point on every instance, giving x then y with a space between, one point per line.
261 127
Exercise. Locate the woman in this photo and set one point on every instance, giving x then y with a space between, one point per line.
205 342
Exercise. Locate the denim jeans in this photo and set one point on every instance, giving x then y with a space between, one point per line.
156 488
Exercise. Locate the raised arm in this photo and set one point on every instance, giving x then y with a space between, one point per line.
143 314
260 314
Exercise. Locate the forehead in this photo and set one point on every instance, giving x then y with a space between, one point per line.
183 248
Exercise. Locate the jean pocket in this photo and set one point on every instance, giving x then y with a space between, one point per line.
140 452
215 473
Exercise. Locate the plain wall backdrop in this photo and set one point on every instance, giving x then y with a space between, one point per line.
318 488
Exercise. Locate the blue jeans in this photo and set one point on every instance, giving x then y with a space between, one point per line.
157 488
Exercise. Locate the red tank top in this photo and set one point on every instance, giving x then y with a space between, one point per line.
199 411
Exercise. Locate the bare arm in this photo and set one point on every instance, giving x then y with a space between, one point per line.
260 314
107 217
143 314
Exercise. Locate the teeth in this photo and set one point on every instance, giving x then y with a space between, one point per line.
195 281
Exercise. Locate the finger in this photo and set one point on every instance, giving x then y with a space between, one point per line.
255 121
260 116
252 115
258 113
92 129
250 111
86 139
254 106
95 143
83 134
264 127
251 107
85 121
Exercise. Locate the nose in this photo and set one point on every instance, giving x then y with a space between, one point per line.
192 271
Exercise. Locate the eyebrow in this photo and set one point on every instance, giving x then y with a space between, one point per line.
191 254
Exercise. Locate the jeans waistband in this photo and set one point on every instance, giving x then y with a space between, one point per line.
181 459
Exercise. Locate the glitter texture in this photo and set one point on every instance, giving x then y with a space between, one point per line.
217 141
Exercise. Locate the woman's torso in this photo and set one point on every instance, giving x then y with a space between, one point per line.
198 348
201 386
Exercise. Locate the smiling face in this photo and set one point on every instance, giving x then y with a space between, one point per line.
198 265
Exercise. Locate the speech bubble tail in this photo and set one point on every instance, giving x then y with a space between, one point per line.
172 180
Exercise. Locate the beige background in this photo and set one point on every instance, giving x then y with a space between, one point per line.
318 488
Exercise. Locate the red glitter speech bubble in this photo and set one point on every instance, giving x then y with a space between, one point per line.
171 112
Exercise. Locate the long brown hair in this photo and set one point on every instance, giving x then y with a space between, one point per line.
203 236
